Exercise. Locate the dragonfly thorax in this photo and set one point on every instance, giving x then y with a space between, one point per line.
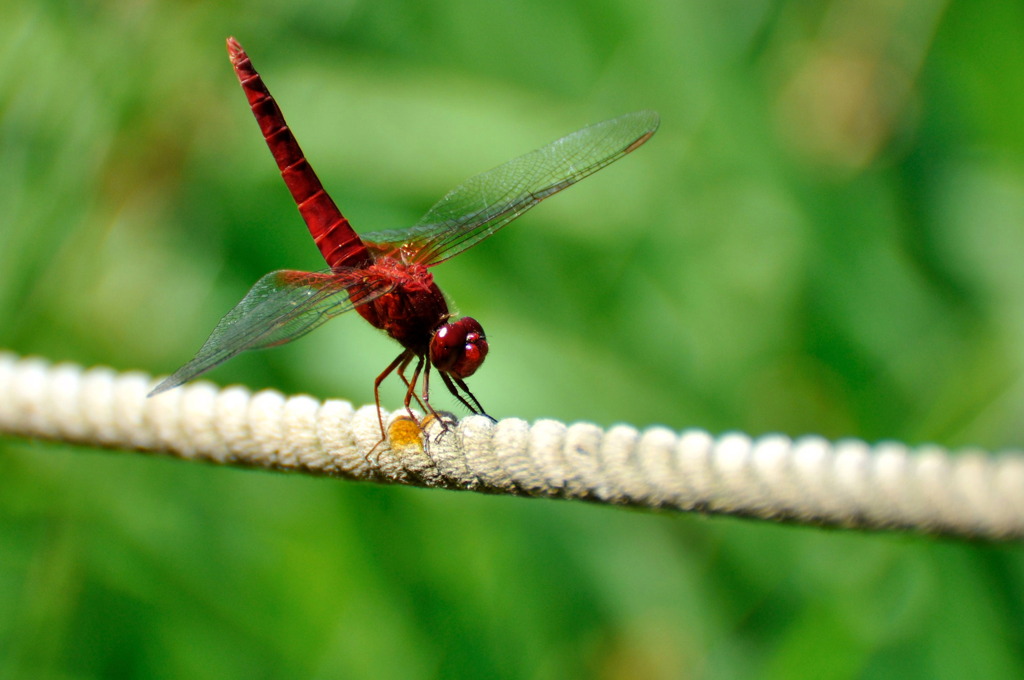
458 348
412 308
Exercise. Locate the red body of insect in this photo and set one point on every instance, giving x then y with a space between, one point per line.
385 276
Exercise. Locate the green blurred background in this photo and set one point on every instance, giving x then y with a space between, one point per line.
826 236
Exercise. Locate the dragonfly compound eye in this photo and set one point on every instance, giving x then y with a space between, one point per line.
459 348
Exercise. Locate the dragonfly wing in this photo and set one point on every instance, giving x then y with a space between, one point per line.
282 306
484 204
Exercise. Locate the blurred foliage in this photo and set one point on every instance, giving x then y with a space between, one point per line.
826 235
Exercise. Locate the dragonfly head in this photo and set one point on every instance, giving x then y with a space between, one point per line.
458 348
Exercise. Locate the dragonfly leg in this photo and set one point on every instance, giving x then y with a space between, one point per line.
410 386
400 362
446 422
475 406
426 390
424 403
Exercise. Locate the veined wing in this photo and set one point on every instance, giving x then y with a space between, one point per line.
282 306
484 204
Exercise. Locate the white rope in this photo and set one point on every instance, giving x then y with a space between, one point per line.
810 480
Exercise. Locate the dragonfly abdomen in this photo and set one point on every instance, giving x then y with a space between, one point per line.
334 236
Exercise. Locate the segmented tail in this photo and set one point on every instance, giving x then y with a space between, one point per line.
338 243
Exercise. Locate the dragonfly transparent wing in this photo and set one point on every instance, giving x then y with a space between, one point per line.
282 306
484 204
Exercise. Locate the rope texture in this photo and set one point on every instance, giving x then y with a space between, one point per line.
809 481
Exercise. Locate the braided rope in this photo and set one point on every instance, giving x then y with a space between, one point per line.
808 481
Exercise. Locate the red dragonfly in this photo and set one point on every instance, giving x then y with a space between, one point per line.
385 275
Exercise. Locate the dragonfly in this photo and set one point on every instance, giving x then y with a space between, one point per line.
385 276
